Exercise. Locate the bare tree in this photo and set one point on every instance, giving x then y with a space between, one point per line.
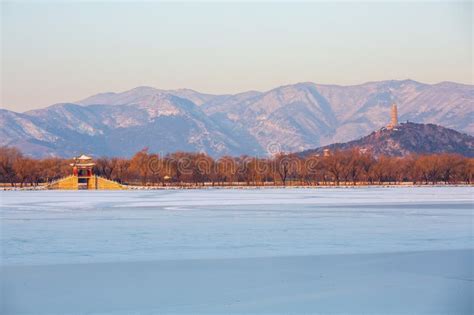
8 157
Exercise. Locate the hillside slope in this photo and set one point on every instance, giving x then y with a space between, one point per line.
408 138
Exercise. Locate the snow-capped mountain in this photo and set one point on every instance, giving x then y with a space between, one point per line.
307 115
289 118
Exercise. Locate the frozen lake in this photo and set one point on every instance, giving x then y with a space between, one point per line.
221 233
50 227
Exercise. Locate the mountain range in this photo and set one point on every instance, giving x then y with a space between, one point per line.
289 118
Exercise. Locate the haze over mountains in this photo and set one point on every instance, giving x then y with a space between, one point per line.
290 118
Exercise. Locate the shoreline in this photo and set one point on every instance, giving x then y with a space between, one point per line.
239 187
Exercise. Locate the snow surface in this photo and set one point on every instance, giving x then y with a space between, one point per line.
50 227
382 250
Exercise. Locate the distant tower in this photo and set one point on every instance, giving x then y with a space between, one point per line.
393 117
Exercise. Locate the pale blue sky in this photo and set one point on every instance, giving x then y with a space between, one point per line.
56 52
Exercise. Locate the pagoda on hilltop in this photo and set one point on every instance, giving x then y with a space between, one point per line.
393 117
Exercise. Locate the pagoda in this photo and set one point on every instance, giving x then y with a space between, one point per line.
393 117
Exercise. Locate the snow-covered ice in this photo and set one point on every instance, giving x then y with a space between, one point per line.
50 227
355 250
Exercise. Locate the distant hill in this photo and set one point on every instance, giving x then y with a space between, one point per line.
408 138
293 118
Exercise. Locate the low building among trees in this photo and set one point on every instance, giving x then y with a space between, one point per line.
83 177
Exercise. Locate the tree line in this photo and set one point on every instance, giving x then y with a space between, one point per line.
350 167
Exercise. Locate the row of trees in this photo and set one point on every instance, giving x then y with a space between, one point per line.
341 167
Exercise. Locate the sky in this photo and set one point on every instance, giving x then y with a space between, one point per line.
55 52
